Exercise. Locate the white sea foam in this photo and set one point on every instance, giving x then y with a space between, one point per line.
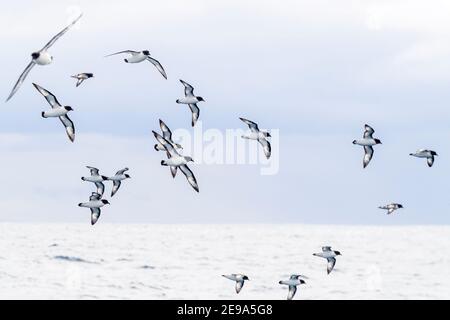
112 261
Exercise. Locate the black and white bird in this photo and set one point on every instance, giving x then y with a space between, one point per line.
139 56
177 160
95 203
367 142
82 76
167 134
330 255
41 57
260 136
117 180
57 111
238 278
191 100
292 284
391 207
97 179
424 153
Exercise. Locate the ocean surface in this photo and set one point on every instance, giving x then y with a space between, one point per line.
114 261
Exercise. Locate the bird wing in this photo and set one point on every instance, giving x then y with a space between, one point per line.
189 176
50 97
95 196
173 170
368 132
330 265
158 66
368 153
94 171
166 144
252 125
292 291
120 52
239 285
430 161
100 188
79 81
167 134
70 129
266 147
188 89
95 215
116 186
121 171
53 40
195 112
21 79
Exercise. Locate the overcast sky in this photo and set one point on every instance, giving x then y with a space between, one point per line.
316 70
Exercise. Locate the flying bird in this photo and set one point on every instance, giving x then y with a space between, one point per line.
391 207
139 56
367 142
260 136
97 179
95 203
177 160
238 278
81 77
191 100
167 134
292 283
117 180
41 57
57 111
330 255
423 153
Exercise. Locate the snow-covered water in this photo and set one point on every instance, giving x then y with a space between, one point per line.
113 261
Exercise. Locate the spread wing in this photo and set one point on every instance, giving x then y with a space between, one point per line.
95 196
368 132
252 125
59 35
330 265
430 161
189 176
158 66
239 285
94 171
195 113
68 124
122 171
166 144
292 291
50 97
173 171
120 52
21 79
266 147
368 154
188 89
116 186
100 188
95 215
167 134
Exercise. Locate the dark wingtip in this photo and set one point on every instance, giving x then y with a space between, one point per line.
156 147
42 114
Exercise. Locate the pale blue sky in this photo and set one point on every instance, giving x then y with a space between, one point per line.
315 70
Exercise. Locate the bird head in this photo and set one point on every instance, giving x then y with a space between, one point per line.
189 159
104 201
400 206
245 278
302 281
267 134
377 141
200 99
68 108
338 253
146 52
35 55
127 175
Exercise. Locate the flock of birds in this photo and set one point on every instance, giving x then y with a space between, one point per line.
175 159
